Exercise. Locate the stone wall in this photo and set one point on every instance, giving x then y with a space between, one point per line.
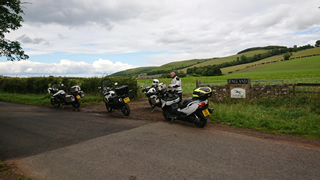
269 91
220 92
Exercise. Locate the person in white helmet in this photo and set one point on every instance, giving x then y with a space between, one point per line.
176 84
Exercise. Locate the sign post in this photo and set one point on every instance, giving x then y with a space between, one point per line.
239 88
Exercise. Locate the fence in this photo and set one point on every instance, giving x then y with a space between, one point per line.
308 91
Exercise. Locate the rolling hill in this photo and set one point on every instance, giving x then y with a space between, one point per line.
184 65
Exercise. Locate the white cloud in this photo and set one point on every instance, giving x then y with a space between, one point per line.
63 68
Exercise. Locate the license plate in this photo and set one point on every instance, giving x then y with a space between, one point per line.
205 112
78 96
127 99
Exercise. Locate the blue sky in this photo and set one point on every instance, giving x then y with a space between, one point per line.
93 38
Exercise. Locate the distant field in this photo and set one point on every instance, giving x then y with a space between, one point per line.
295 65
273 59
217 61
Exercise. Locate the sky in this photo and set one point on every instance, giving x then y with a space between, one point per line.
82 38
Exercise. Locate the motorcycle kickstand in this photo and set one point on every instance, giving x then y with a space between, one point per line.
172 120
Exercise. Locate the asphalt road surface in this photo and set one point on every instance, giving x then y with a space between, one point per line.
48 143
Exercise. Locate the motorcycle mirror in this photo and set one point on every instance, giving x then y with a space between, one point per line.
116 84
99 87
61 84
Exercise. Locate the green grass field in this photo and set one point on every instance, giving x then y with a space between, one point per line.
273 60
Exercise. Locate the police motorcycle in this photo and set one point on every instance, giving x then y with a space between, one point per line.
59 96
117 98
152 94
193 110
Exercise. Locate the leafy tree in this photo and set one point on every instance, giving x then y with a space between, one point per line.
10 19
317 43
287 56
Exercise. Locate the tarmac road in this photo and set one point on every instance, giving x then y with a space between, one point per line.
47 143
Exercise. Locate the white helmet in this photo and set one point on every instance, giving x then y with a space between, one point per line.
155 82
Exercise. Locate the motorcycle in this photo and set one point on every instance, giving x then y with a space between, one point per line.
117 98
193 110
59 96
152 94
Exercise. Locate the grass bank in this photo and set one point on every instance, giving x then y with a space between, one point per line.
291 115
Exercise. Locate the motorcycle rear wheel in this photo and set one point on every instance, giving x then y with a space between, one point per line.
76 104
202 122
125 109
55 102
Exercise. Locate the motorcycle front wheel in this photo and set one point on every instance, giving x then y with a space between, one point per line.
125 109
152 105
55 102
166 115
109 108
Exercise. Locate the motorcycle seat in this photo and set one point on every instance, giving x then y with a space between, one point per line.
185 103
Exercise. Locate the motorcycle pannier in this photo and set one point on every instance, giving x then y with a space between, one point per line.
202 93
131 94
122 90
69 98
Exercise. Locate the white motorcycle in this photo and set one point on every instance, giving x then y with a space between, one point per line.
193 110
59 96
152 94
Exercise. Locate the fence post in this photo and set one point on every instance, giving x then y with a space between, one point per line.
197 83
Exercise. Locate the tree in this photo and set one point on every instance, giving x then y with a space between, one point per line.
10 19
287 56
317 43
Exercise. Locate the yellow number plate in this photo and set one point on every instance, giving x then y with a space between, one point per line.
126 100
205 112
78 96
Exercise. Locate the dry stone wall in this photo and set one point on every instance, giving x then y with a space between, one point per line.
256 91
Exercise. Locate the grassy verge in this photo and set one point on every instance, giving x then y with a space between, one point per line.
6 172
298 115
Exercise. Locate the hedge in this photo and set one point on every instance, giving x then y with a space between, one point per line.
39 85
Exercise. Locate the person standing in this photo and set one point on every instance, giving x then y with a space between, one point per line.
176 84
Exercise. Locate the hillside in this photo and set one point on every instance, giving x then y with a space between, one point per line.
135 71
182 66
272 59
